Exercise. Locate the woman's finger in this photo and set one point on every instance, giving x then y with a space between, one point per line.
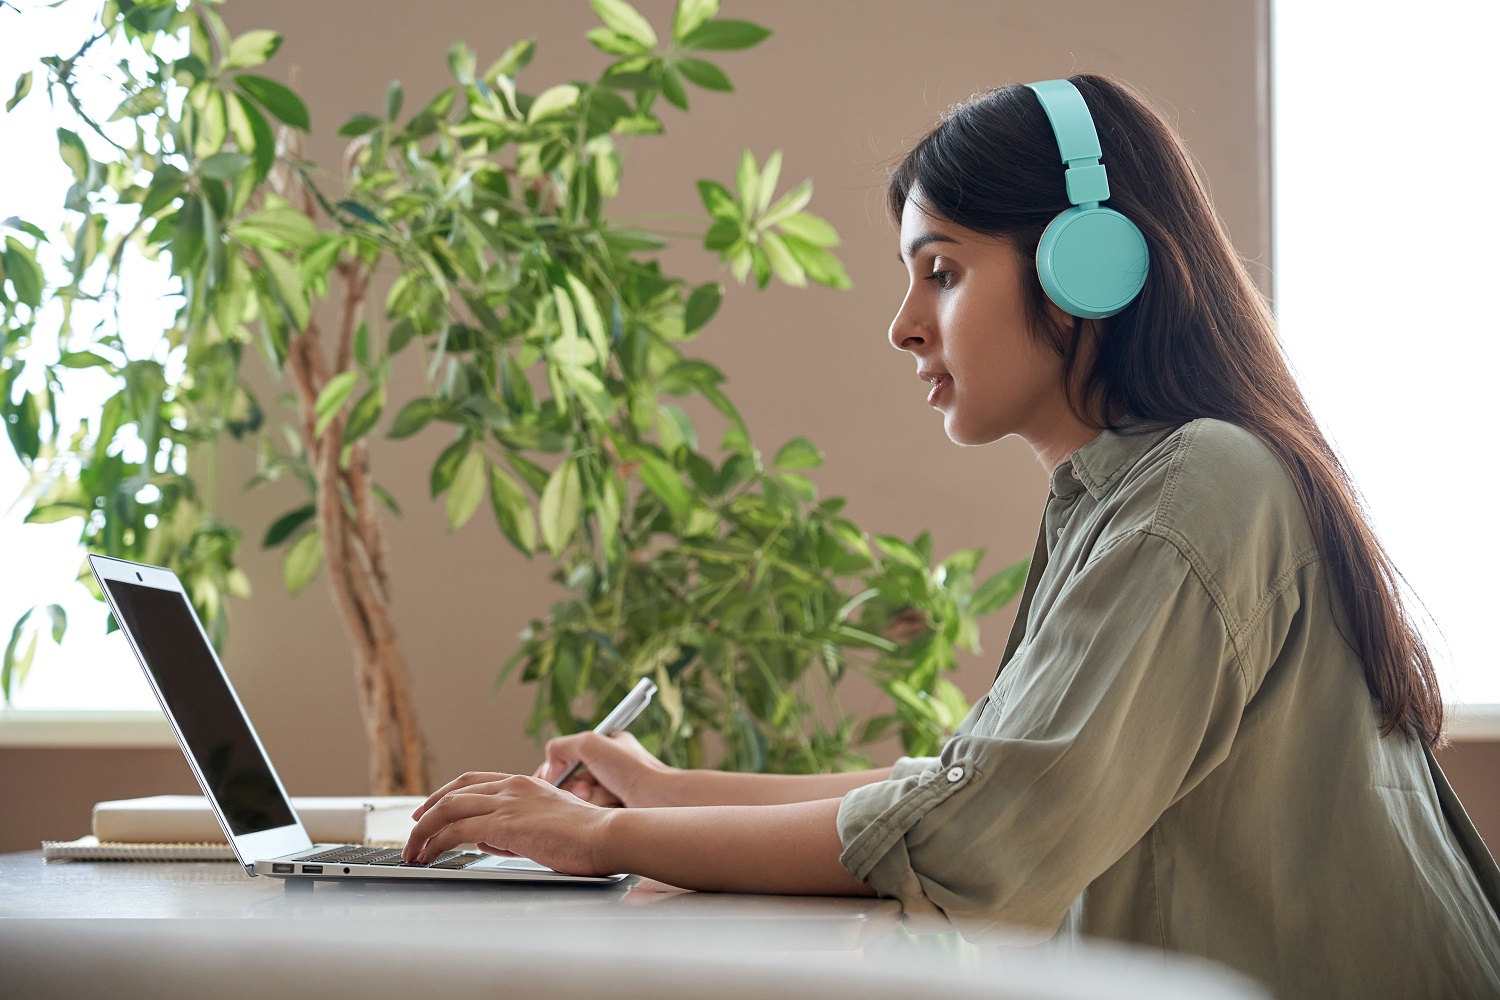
458 804
564 751
467 829
463 780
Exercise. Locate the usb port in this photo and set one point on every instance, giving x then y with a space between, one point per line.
312 869
278 869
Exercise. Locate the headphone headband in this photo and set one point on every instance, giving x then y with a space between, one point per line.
1091 260
1077 140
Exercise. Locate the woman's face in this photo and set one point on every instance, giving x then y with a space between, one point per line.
964 321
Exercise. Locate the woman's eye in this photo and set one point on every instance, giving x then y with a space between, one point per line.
943 278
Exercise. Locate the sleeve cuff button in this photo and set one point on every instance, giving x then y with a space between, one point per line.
955 774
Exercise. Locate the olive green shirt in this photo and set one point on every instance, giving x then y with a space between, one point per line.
1180 751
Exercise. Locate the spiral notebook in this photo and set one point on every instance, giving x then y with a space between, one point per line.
93 849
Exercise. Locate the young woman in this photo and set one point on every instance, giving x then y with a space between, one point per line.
1212 725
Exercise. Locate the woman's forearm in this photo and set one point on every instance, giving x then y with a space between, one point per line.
790 849
731 788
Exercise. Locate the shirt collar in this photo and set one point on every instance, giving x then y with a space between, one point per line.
1101 463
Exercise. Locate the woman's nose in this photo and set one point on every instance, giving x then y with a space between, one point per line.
904 334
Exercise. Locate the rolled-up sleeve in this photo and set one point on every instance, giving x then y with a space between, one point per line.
1127 693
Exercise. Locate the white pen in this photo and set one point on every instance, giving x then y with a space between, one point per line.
615 722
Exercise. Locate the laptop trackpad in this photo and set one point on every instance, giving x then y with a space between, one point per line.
510 864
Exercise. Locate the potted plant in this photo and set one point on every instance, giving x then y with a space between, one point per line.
552 345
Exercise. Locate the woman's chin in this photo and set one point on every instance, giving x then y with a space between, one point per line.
961 433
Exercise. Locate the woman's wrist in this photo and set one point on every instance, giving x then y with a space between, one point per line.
666 786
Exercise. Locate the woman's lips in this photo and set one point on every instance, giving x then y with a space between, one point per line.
939 383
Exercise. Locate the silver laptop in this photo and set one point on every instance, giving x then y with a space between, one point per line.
229 761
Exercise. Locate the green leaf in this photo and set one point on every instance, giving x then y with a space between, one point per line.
690 14
515 59
701 306
222 166
335 393
747 179
620 16
849 635
281 529
615 43
672 89
394 98
512 510
414 416
142 102
166 185
362 345
53 512
24 274
277 98
15 668
799 453
302 561
359 125
82 359
725 35
901 551
662 479
23 87
466 490
997 591
73 153
553 101
676 428
820 265
260 129
704 74
362 213
688 376
275 227
446 466
365 413
213 121
805 226
460 62
59 616
787 205
287 284
562 501
719 202
786 266
588 312
251 49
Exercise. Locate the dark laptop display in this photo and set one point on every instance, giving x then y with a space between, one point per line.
166 634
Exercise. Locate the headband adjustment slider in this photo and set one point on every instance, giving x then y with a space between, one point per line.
1086 183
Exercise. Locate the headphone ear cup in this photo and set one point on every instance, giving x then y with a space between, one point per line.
1092 262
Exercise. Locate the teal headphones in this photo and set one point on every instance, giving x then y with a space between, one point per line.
1091 260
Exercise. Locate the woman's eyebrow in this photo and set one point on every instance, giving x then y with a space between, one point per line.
918 242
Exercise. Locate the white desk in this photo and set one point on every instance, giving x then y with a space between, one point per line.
215 932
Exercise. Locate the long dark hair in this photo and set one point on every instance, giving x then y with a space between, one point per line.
1199 341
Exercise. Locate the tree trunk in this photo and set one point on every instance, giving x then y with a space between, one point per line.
353 548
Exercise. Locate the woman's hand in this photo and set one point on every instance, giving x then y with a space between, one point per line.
510 814
619 771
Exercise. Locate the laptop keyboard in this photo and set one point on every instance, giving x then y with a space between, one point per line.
360 854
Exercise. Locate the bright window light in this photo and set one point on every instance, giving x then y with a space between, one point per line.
1385 286
91 671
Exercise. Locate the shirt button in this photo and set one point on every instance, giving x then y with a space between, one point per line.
955 774
1072 472
1059 531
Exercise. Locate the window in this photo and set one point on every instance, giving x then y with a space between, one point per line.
1385 277
92 671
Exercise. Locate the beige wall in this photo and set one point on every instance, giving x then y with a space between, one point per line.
842 88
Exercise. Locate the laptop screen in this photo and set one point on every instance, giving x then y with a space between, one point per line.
167 636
